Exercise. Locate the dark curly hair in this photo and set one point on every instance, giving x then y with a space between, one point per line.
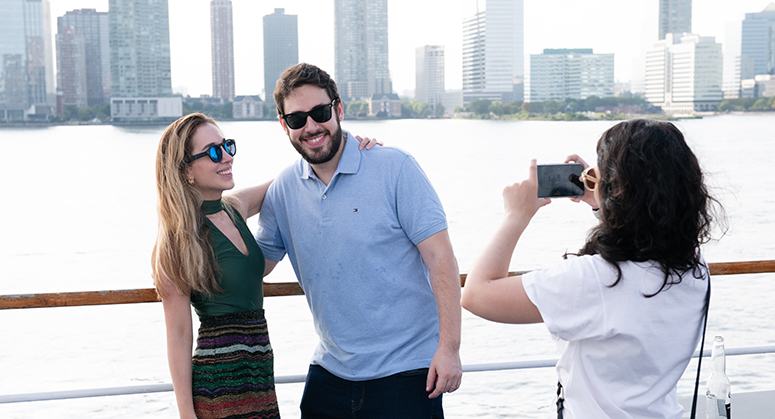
299 75
653 199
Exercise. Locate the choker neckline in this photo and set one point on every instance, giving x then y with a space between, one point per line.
212 207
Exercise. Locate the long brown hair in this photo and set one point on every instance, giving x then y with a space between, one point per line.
182 251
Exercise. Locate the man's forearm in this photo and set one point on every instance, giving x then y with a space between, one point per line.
446 290
445 280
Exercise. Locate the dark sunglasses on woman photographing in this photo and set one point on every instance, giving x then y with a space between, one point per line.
215 153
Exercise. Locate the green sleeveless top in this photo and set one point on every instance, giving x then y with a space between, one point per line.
240 276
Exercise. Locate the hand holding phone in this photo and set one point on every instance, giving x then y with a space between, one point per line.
560 180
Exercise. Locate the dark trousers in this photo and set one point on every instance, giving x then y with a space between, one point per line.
399 396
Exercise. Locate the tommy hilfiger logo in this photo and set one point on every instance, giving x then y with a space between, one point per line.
355 209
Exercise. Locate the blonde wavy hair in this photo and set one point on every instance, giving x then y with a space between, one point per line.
182 251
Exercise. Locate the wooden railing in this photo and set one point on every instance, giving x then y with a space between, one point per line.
287 288
271 289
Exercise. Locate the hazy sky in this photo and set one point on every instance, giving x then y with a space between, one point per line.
622 27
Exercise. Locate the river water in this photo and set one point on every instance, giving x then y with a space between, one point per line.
79 215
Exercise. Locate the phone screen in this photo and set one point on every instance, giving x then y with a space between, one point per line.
560 180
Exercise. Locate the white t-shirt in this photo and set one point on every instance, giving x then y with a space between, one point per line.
621 353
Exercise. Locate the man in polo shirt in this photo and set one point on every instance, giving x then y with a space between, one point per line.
367 237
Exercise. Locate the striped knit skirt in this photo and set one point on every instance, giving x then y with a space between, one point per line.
233 368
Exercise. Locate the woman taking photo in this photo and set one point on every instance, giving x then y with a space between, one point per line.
627 312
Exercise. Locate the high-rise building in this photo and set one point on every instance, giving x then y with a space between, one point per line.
429 75
92 26
281 49
48 52
71 67
473 57
675 16
139 48
560 74
361 48
34 31
757 47
222 44
732 67
13 53
638 81
493 52
764 85
684 74
749 50
26 73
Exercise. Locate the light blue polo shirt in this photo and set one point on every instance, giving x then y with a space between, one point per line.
353 247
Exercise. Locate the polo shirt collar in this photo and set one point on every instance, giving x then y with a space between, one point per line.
351 157
348 162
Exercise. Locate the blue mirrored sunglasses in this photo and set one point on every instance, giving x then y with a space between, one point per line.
215 153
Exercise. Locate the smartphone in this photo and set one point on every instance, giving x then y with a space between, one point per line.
560 180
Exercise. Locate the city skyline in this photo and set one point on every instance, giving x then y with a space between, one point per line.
625 29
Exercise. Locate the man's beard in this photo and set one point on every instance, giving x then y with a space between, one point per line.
327 153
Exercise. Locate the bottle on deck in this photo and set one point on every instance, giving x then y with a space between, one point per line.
718 397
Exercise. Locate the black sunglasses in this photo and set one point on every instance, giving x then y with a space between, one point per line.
319 114
215 153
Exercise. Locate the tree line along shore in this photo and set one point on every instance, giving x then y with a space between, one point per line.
592 108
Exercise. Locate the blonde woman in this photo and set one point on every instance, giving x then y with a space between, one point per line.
205 256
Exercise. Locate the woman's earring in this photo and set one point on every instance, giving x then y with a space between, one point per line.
190 181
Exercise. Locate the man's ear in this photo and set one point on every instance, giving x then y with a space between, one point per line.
282 123
340 110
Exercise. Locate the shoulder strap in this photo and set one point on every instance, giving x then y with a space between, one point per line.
560 400
702 347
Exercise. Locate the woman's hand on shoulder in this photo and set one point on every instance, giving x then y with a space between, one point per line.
367 142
